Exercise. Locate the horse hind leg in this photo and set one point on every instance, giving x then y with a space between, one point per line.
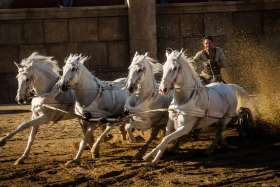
223 140
123 131
217 139
90 138
95 148
153 136
129 129
83 143
32 123
182 130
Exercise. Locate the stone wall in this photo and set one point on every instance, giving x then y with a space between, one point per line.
247 31
103 33
99 32
184 25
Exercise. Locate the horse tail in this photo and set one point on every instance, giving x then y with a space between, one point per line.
245 101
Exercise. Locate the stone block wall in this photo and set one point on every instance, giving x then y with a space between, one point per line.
184 25
103 33
99 32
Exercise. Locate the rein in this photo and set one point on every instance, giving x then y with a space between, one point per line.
100 119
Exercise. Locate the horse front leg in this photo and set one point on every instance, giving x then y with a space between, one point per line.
153 136
26 152
32 123
95 148
129 128
182 129
83 143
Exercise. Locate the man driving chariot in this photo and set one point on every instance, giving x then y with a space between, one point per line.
212 59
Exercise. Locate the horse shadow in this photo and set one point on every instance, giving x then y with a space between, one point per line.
262 153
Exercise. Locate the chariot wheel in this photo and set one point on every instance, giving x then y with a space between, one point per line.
245 125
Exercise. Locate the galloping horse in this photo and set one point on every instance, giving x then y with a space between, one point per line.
194 105
39 74
94 98
143 88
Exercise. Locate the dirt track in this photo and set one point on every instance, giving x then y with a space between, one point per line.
256 164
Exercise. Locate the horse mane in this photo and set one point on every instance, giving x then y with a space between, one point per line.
36 59
184 59
80 59
156 67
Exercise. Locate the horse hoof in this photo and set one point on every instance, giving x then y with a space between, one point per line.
19 161
147 157
231 147
2 142
139 139
209 152
228 146
138 156
95 155
151 165
108 137
72 162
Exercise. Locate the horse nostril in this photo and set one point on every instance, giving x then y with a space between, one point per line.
164 90
64 88
130 89
87 115
20 101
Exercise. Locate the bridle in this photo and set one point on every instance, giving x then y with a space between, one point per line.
29 90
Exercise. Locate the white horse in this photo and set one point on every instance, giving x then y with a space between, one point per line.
194 105
94 98
39 74
144 89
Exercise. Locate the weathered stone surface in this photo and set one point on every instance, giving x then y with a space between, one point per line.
118 54
248 22
141 46
33 32
112 28
174 43
26 50
218 24
8 87
220 41
142 26
9 54
10 32
97 52
192 24
271 22
83 29
168 26
59 52
192 45
56 31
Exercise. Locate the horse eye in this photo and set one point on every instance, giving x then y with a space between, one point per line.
175 68
73 69
27 80
139 70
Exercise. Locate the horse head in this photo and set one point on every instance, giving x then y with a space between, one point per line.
171 69
136 72
25 80
37 74
71 71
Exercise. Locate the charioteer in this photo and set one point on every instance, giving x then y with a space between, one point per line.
212 59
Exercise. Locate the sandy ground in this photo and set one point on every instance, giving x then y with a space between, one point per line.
256 164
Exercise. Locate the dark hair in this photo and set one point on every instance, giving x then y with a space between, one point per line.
208 38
